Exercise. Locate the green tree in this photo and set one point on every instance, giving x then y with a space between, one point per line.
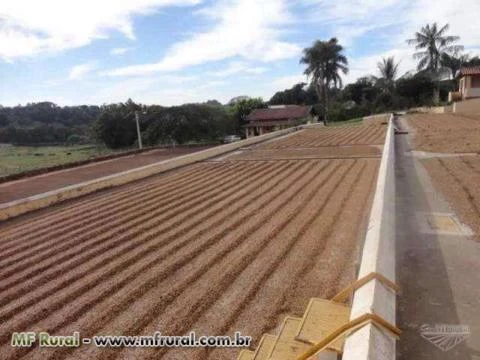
294 96
361 91
474 61
388 72
4 120
325 60
431 42
417 89
115 125
453 62
243 107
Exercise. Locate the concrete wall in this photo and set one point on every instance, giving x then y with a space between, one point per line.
432 109
375 119
371 343
467 107
18 207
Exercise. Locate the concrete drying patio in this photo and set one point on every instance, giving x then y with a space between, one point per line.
438 266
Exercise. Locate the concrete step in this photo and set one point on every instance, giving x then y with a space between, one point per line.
265 347
286 347
246 355
320 319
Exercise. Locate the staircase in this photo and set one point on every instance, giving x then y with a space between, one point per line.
298 335
322 328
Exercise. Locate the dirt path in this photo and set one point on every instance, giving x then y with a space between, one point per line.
39 184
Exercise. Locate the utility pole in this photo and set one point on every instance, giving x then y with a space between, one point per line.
139 135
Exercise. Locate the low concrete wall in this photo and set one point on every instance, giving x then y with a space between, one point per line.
369 342
18 207
375 119
467 107
433 109
312 125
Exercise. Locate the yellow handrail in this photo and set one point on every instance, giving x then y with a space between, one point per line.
350 326
342 295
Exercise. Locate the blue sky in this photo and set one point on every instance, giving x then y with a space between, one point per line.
171 52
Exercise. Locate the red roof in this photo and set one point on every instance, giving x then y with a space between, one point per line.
285 112
471 70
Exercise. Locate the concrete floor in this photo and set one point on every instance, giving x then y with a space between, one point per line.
439 273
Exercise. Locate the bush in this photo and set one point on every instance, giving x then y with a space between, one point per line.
197 123
76 139
338 112
116 126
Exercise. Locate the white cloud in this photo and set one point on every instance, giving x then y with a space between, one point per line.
286 82
31 27
247 28
462 17
143 89
79 71
350 19
119 51
389 23
237 67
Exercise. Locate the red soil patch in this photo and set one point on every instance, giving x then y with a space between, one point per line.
19 189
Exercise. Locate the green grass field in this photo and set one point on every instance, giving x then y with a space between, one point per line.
15 159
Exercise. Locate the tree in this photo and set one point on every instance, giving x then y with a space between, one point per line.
388 72
243 107
295 96
431 43
4 120
213 102
453 62
416 89
474 61
324 61
116 125
361 91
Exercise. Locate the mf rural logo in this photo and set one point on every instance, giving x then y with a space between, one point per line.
444 336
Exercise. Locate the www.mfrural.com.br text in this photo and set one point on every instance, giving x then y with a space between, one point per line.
46 340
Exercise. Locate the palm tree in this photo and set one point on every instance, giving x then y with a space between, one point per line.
325 60
388 72
430 43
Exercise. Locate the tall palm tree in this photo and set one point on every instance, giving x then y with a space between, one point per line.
388 72
325 60
430 43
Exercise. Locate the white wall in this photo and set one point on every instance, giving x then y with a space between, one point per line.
371 343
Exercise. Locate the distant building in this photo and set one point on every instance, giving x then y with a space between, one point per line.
469 83
277 117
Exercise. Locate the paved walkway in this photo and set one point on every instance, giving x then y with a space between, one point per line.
39 184
439 273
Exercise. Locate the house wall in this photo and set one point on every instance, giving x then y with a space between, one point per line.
469 86
472 93
260 130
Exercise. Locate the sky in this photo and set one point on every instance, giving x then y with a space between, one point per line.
171 52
